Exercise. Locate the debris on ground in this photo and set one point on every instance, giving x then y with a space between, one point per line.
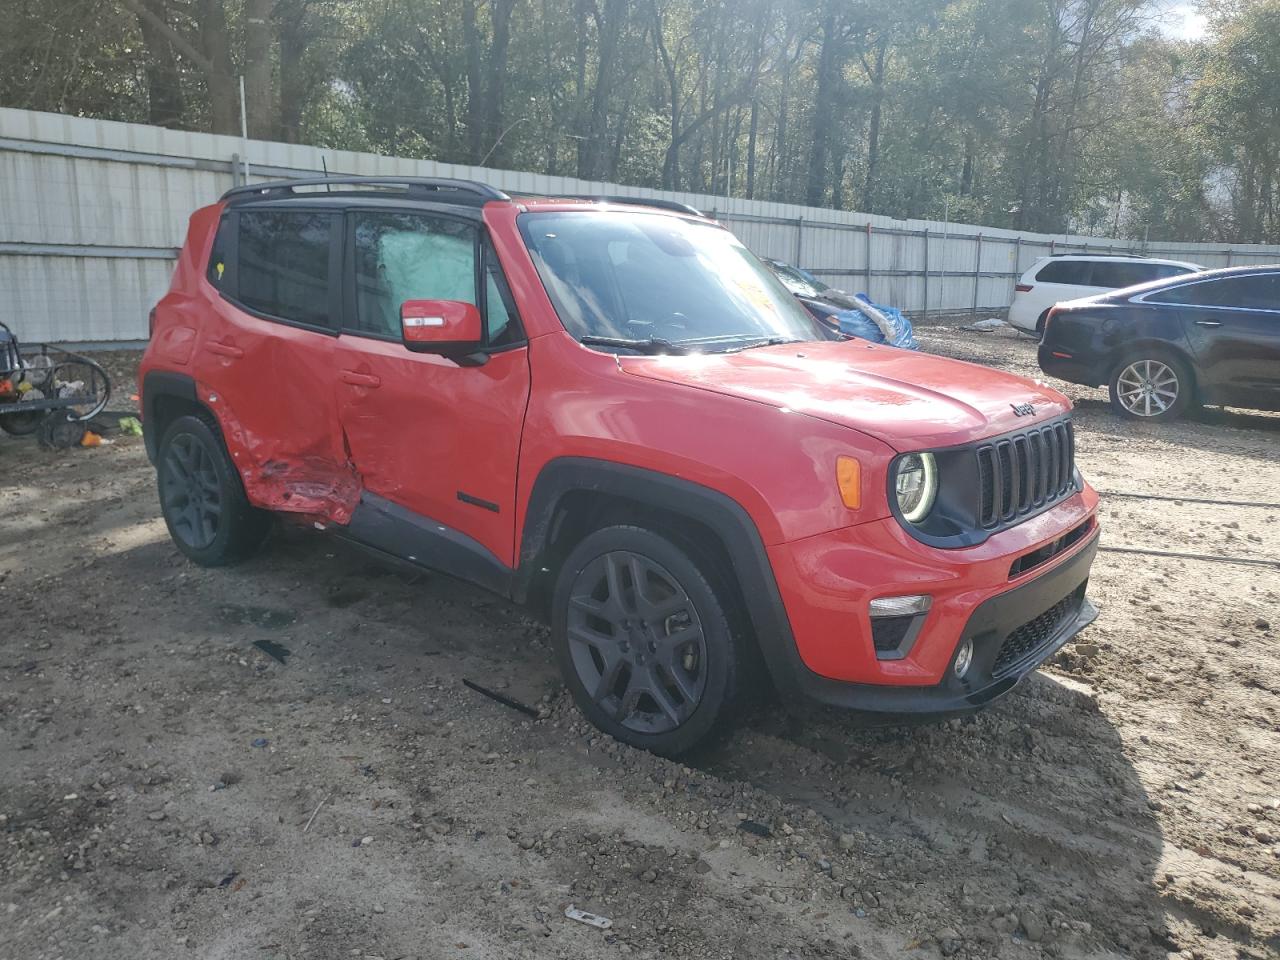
590 919
273 649
985 326
501 698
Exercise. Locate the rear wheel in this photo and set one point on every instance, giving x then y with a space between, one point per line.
21 424
1151 384
644 641
202 498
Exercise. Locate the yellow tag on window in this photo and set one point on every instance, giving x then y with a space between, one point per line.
219 267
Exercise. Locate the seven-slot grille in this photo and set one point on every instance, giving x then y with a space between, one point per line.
1026 471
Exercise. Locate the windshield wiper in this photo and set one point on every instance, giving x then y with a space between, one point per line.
649 345
763 342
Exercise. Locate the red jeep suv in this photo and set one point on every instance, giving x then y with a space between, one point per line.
613 412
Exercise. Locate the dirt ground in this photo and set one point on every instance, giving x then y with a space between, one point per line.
167 790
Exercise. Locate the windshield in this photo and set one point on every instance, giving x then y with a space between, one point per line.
641 280
799 282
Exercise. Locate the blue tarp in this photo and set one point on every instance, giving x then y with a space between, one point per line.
879 324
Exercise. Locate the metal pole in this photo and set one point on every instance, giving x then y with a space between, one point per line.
799 239
977 270
946 243
926 271
868 271
244 130
1017 264
1229 256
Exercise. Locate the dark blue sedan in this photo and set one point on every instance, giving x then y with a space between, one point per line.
1201 338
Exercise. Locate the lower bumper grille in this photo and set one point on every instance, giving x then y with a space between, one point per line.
1026 642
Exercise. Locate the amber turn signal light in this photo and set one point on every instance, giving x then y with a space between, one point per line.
849 478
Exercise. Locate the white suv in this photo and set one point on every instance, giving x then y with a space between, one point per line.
1067 277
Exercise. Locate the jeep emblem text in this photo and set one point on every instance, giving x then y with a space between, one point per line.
1023 409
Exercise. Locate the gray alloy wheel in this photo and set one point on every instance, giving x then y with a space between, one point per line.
642 628
190 491
202 498
1147 388
636 642
1151 385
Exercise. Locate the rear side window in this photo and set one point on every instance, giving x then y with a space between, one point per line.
1118 273
1259 291
282 265
1075 272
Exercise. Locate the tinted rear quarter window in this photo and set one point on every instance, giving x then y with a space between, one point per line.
1259 291
218 265
1121 274
283 264
1074 272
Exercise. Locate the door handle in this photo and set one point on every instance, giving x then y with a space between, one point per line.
360 379
225 349
1208 323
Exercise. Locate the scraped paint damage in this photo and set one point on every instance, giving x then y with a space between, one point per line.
312 481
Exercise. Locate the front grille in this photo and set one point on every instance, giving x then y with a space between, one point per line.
1029 639
1025 472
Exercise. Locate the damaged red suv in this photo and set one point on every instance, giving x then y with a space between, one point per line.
614 413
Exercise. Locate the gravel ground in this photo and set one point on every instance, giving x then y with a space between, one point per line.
168 790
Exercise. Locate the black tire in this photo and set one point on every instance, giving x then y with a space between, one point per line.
679 671
56 432
1151 384
21 424
202 498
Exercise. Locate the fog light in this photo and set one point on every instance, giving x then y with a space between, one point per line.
895 622
899 606
964 657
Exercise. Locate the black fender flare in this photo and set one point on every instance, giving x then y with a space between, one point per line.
156 385
723 515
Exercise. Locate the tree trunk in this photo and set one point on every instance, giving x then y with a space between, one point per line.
610 21
816 184
752 127
475 84
258 87
293 75
494 123
873 131
224 97
165 104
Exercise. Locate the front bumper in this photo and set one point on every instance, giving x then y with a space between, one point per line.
1013 629
1012 633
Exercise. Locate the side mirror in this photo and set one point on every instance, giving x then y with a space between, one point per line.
448 327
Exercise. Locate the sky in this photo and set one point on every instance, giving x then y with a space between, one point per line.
1182 21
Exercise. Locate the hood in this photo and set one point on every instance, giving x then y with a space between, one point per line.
909 400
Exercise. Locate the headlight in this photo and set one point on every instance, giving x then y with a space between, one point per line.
916 484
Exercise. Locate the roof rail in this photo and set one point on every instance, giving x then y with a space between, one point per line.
1103 256
673 205
419 188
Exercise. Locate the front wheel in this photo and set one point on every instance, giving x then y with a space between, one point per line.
1151 385
644 642
202 498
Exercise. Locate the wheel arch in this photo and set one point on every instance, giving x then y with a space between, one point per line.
165 397
573 496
